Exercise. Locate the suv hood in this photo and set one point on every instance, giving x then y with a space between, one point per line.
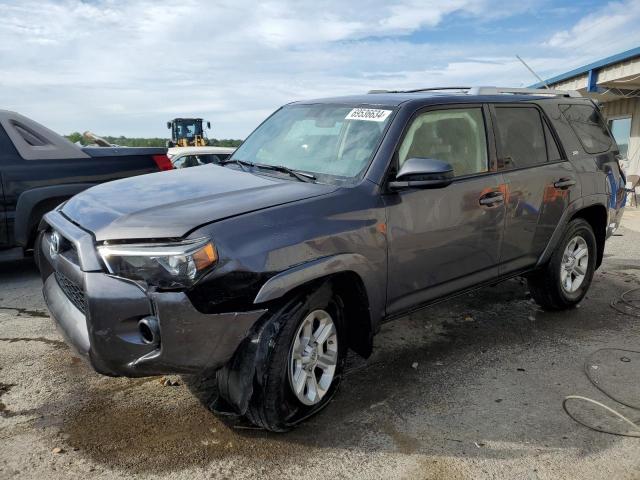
170 204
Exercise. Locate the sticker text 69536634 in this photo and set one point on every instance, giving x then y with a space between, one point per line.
368 114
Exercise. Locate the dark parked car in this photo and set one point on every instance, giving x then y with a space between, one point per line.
39 169
333 216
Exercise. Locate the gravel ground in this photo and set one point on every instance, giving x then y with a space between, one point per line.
483 401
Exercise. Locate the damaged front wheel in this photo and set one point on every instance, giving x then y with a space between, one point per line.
313 357
305 362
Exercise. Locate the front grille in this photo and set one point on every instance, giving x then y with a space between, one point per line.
73 292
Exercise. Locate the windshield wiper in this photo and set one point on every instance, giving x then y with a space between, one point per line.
241 163
302 176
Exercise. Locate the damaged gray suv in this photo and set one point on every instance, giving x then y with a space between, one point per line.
334 216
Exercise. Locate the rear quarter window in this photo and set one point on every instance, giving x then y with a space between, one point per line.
589 127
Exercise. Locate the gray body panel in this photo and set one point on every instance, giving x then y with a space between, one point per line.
57 147
107 332
534 208
409 248
170 204
442 240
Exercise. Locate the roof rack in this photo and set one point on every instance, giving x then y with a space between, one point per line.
490 91
522 91
417 90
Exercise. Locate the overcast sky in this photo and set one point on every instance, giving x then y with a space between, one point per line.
125 67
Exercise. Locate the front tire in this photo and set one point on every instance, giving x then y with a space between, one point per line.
304 367
566 278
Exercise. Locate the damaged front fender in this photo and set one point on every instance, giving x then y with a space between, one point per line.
238 379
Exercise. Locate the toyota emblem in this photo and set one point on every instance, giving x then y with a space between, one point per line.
54 245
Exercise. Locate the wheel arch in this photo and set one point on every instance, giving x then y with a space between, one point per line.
593 210
353 279
596 216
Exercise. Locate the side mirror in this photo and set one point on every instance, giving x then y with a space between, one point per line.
209 125
423 173
168 124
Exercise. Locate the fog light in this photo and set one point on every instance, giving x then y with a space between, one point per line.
149 330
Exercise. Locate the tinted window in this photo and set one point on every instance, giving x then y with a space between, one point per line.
553 153
588 126
186 161
211 158
456 136
520 137
621 131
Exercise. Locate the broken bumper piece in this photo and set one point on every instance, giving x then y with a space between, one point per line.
100 316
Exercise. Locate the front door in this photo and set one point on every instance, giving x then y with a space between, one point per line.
447 239
540 183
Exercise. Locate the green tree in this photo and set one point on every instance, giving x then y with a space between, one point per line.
75 137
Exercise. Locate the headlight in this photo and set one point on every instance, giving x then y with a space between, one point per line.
164 265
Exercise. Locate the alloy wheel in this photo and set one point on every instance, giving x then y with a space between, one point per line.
575 261
313 357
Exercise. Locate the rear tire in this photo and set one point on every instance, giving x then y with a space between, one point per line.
564 281
308 353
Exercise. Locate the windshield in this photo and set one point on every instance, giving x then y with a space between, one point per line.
188 128
335 141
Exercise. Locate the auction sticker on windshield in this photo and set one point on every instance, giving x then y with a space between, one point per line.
368 114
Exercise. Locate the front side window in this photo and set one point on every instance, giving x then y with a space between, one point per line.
621 131
519 137
456 136
332 142
588 126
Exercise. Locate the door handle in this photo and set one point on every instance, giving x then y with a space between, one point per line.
564 183
491 198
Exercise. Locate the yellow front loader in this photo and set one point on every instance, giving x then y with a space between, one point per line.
187 132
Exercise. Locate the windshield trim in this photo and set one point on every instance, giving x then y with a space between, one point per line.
327 178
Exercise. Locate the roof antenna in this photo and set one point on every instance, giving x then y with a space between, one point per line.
532 72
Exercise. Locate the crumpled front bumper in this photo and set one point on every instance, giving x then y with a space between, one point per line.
98 314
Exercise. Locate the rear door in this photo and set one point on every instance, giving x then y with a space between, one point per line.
540 182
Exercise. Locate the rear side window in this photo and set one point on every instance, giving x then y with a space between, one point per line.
588 125
520 137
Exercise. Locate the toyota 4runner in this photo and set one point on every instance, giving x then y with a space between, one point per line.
333 216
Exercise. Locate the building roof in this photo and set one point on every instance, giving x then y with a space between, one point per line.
620 57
